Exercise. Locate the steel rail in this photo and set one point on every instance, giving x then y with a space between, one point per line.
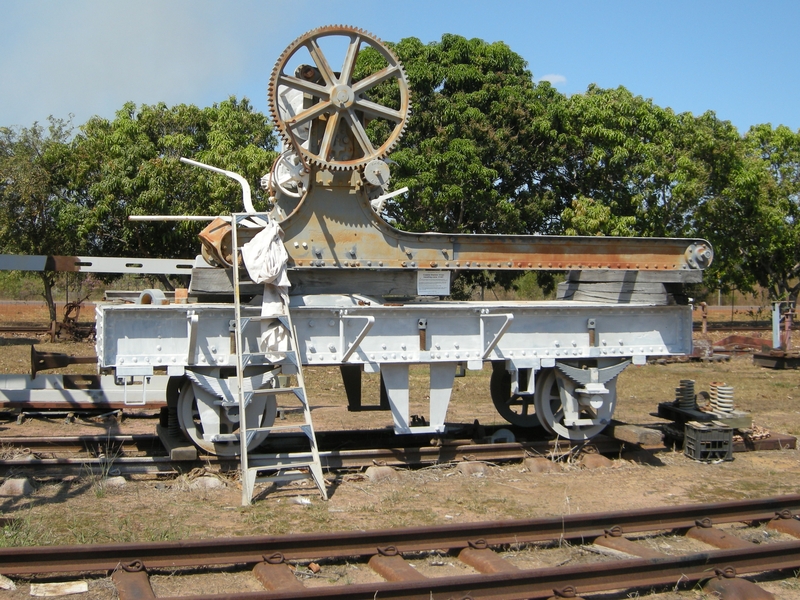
251 550
451 451
344 447
542 583
79 442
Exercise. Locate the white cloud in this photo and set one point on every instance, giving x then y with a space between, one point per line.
554 80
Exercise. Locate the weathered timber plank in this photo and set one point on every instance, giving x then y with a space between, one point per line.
368 283
610 275
634 434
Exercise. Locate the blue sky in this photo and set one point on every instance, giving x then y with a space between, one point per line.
86 57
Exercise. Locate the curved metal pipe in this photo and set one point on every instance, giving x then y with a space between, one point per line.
246 196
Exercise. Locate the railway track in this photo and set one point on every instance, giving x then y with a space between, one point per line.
606 551
144 454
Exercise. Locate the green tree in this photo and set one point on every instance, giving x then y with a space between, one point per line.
39 207
755 221
639 161
477 154
586 216
634 168
130 166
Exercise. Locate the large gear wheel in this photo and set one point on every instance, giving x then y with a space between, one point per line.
323 114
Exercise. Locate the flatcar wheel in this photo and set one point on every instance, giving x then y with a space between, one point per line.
517 409
553 389
192 424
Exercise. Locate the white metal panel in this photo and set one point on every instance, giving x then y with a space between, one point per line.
454 332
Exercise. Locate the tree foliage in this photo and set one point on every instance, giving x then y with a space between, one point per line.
130 166
475 155
39 209
755 219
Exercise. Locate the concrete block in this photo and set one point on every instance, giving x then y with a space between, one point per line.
595 461
16 487
540 464
376 474
207 483
476 469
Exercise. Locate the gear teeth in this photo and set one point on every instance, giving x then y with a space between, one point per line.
283 128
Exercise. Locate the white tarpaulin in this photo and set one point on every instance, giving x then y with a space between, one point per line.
265 259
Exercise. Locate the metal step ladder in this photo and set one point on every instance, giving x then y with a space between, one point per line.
270 468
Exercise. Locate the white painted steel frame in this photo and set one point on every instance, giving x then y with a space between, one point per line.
140 338
144 339
52 388
96 264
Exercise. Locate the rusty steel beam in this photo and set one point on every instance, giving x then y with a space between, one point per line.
621 544
42 361
276 576
717 538
132 583
333 229
485 560
785 523
251 550
392 567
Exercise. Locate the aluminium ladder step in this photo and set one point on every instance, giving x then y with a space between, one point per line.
234 437
297 391
289 358
282 477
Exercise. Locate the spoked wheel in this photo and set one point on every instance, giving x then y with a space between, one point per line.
197 414
554 390
361 114
517 409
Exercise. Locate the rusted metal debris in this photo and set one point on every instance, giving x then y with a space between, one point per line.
42 361
777 359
